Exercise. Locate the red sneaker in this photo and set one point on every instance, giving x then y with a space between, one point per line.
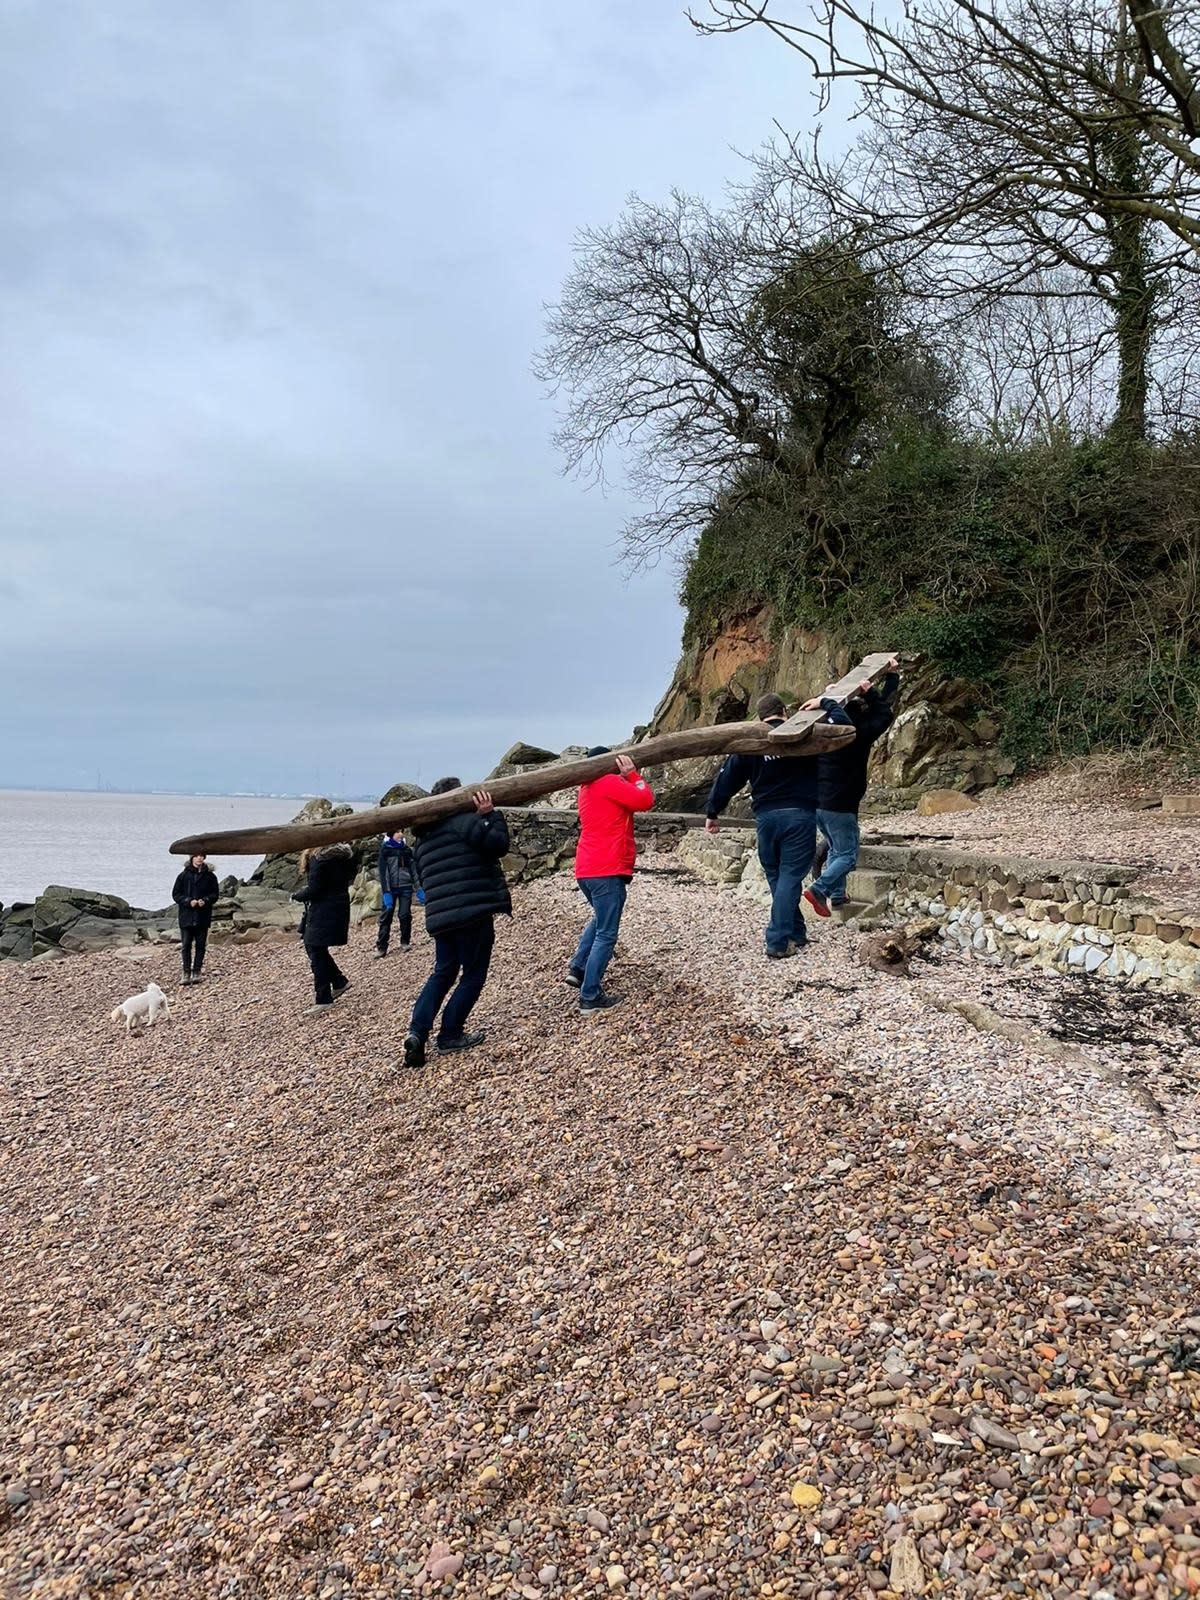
817 901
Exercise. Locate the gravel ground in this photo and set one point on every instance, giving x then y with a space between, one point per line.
774 1281
1092 813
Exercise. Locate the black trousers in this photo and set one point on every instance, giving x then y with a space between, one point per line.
401 909
194 942
327 975
466 950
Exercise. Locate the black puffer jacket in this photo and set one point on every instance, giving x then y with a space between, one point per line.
842 774
195 883
458 859
326 895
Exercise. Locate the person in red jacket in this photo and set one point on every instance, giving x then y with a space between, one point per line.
603 868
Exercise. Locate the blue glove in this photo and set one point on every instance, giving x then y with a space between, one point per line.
420 897
389 900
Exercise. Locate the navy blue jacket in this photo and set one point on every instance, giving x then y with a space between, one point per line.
397 867
777 783
842 774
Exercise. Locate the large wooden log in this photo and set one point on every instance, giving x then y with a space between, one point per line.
869 670
748 738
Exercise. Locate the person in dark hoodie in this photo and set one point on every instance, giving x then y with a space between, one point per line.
328 874
397 880
458 862
841 784
195 893
783 795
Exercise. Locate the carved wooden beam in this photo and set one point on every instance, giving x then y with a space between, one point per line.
747 738
870 669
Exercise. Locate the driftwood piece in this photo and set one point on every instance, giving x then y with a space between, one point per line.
871 668
745 738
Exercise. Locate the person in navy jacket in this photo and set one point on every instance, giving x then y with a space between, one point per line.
783 795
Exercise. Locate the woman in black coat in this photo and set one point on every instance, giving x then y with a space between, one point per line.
328 874
195 893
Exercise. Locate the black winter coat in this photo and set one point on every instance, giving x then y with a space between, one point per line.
195 883
397 869
326 896
842 774
458 859
777 783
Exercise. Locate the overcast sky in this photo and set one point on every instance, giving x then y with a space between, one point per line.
279 507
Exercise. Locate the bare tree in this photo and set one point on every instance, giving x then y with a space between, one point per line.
715 351
961 179
1064 101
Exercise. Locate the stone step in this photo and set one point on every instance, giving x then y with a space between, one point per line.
852 908
869 886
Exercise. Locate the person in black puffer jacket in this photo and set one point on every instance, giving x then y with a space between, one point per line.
458 861
397 872
328 874
195 893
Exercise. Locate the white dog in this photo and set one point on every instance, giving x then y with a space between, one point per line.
142 1008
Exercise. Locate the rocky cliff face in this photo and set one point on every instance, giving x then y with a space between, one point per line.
940 739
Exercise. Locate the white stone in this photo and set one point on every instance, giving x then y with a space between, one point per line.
1076 955
1093 959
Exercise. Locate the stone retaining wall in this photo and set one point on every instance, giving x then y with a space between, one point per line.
1076 917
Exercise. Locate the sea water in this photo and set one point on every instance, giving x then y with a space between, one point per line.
118 842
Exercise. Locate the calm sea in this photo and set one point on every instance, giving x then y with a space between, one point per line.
116 842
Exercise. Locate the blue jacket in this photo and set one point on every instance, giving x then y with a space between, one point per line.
397 866
777 783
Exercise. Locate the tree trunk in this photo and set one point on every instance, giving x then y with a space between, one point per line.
746 738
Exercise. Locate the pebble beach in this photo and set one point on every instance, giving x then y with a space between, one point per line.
778 1280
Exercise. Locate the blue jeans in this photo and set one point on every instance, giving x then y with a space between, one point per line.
468 950
786 842
841 830
606 896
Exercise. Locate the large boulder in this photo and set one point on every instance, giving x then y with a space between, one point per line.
16 934
918 737
941 802
88 933
58 908
401 793
519 756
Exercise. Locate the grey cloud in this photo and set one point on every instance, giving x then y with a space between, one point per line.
278 486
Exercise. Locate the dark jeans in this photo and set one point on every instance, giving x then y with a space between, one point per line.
786 840
401 909
327 975
194 942
466 950
606 896
841 829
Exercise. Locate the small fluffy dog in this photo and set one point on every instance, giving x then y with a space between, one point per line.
142 1010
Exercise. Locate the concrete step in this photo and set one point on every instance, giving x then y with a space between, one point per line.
852 908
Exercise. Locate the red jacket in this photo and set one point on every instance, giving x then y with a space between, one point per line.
606 807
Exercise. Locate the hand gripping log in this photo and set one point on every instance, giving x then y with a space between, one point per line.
810 737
